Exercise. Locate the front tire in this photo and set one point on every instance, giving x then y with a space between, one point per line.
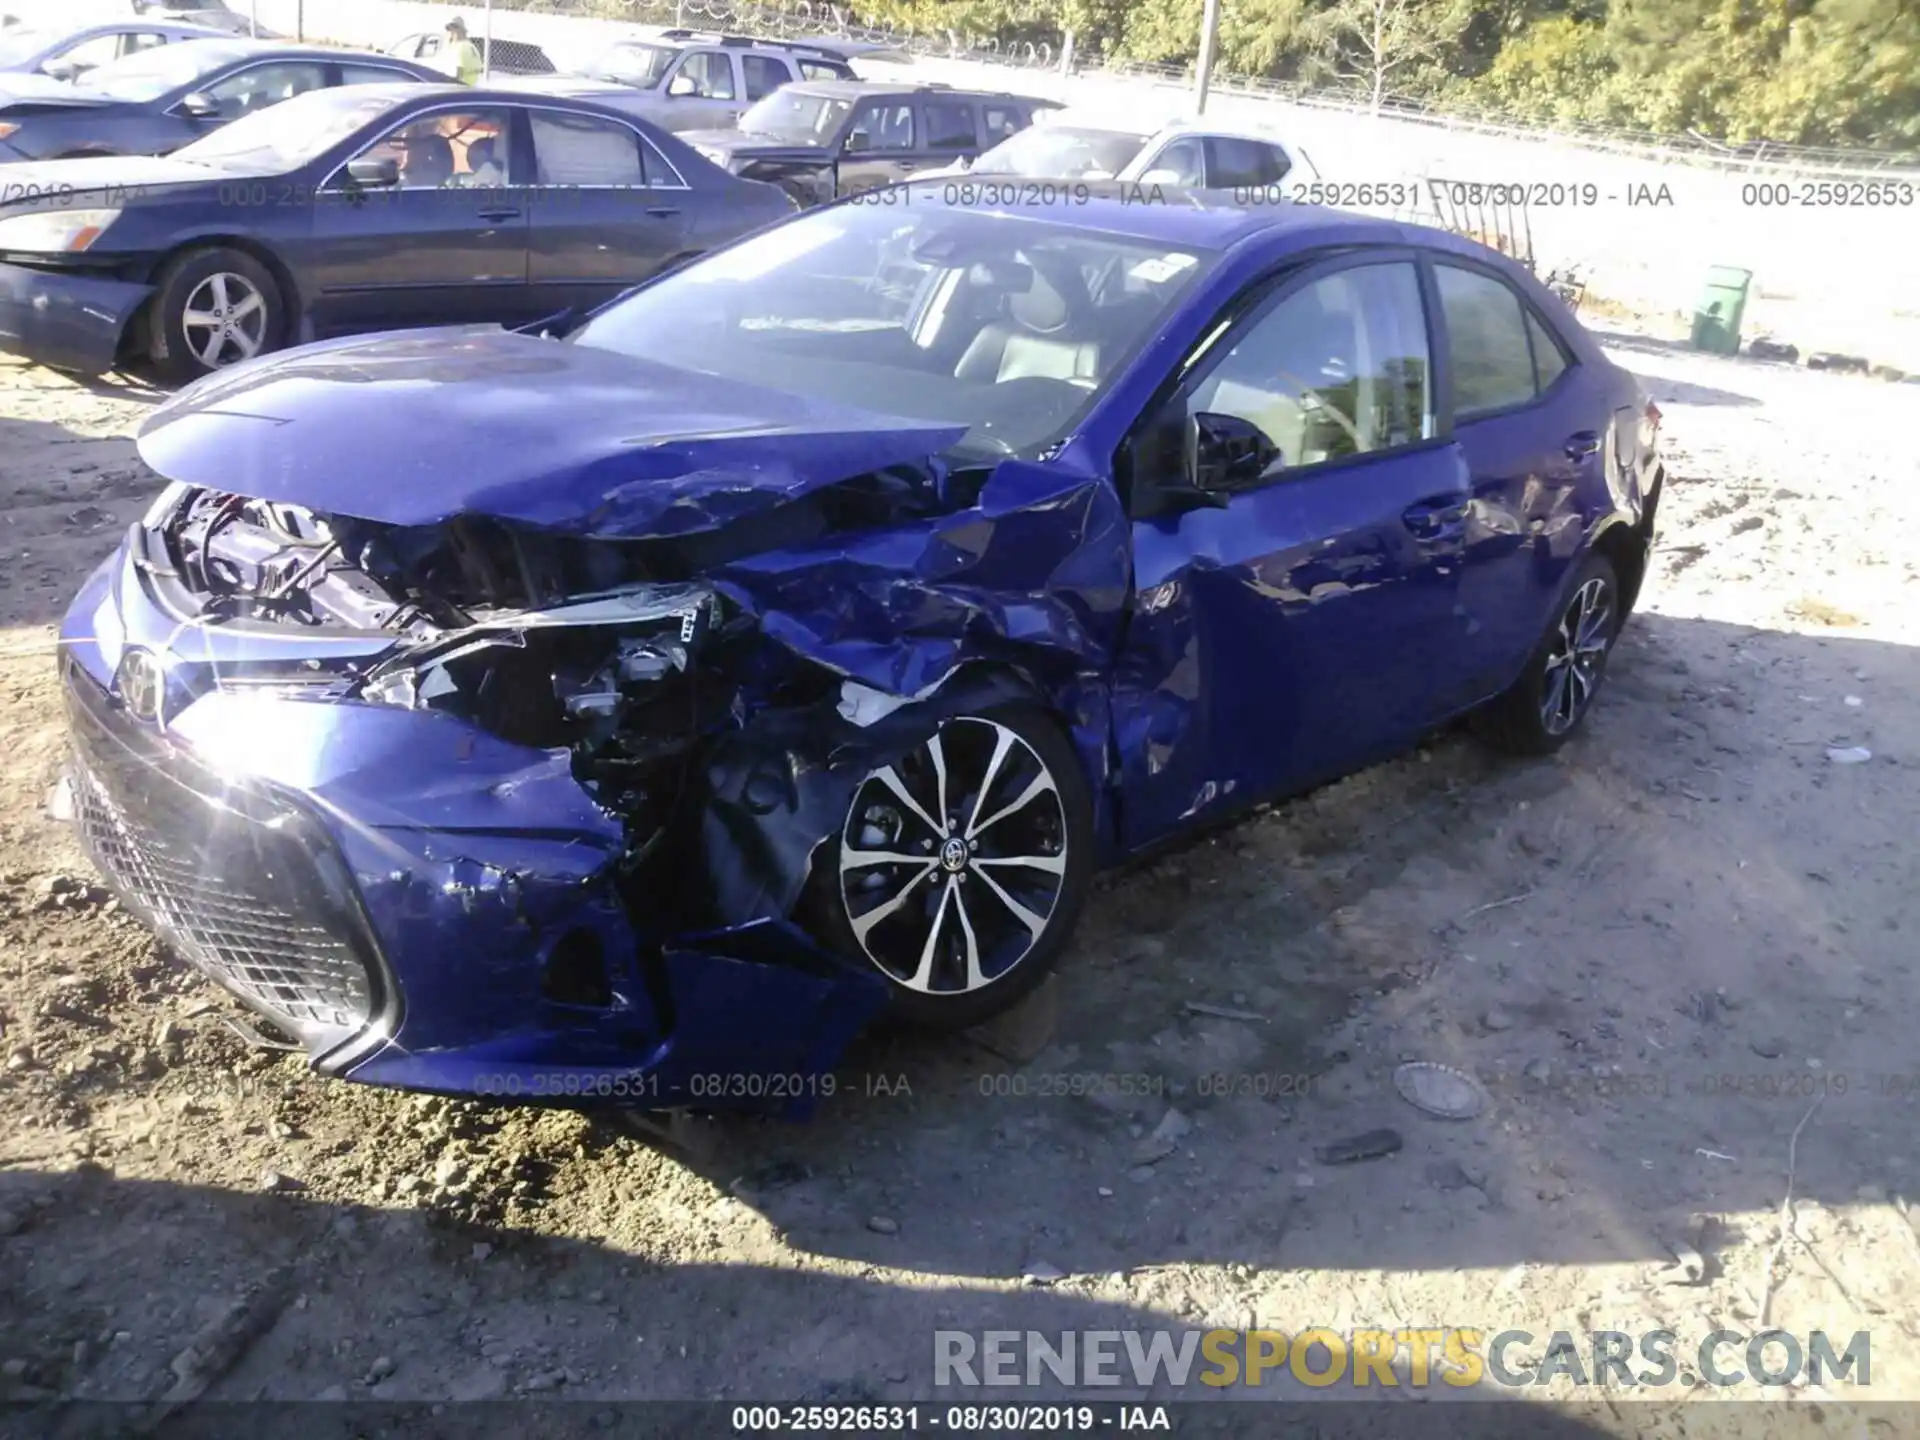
961 868
211 309
1547 704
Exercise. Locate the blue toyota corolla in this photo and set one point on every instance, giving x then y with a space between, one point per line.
635 714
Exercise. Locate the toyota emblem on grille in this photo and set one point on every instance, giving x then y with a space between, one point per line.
142 685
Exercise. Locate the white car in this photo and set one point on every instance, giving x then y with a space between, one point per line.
1196 155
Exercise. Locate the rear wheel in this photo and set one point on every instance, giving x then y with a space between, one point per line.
1553 694
962 867
211 309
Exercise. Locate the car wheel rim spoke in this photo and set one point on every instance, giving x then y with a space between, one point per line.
1579 650
973 809
224 319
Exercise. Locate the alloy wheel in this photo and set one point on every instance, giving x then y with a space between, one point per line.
224 320
1578 652
953 859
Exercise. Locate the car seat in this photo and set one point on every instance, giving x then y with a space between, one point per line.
1044 334
429 162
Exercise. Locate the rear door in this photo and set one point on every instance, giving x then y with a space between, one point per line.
1297 630
1237 163
762 73
949 131
1533 426
447 245
608 209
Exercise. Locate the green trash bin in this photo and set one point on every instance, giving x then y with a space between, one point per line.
1716 320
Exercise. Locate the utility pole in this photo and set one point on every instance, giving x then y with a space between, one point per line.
486 55
1209 39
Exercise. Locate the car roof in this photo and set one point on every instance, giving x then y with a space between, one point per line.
1195 219
241 47
861 89
1159 128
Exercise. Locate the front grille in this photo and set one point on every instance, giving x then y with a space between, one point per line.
235 878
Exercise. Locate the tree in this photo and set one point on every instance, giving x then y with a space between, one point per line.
1375 40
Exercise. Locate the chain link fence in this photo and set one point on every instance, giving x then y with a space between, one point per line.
819 18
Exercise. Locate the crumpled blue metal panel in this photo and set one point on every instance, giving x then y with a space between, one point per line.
568 438
1035 571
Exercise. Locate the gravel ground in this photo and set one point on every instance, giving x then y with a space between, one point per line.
1657 951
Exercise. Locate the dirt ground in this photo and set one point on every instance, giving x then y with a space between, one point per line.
1656 951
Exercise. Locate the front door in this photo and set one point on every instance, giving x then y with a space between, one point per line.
702 92
1299 626
608 211
446 245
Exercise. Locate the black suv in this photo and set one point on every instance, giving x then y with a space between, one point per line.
822 139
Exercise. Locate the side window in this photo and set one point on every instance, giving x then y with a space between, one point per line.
1549 360
90 53
134 41
1000 121
711 73
259 86
375 75
585 150
1486 341
949 125
1183 161
1237 164
1335 369
429 45
764 75
824 70
884 126
447 151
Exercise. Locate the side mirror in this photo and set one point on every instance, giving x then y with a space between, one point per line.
1224 453
60 69
681 85
371 174
199 106
858 141
1161 176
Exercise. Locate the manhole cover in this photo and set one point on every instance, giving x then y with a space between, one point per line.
1440 1090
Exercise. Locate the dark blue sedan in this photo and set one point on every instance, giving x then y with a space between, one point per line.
363 208
634 715
157 100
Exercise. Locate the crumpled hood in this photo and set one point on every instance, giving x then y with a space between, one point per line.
414 428
753 144
124 179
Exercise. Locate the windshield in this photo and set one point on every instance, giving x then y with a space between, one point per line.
286 136
1009 324
630 64
152 73
789 114
1062 152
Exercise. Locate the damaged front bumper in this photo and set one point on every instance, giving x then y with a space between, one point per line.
420 903
66 319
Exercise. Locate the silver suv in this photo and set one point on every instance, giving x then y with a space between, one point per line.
695 80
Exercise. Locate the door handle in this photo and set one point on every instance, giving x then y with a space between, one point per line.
1581 444
1436 518
663 212
502 214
